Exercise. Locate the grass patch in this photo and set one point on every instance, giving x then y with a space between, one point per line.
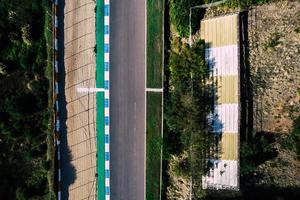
155 15
153 142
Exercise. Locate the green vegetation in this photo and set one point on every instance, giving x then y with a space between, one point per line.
179 15
292 142
155 15
99 50
244 3
269 157
155 20
274 41
255 152
26 139
296 136
154 142
187 138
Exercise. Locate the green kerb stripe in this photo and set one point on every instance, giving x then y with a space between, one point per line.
100 99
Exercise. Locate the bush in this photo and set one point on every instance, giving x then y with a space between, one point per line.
188 103
179 15
296 135
24 114
244 3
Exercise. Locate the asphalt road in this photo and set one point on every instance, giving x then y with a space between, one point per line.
127 94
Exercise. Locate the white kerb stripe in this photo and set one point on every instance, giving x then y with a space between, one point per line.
106 2
224 174
106 147
106 20
106 112
106 57
107 182
107 197
223 61
106 39
106 129
106 164
106 75
106 94
226 118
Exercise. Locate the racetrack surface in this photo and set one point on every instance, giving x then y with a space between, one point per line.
127 94
77 69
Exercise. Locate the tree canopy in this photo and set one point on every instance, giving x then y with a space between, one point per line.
24 104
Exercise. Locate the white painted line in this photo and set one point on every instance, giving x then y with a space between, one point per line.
57 105
56 87
58 155
56 22
59 195
154 89
57 125
90 90
56 66
55 44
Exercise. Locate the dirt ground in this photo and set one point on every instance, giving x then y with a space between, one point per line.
274 40
79 61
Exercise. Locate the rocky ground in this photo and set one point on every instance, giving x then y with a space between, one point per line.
274 57
274 40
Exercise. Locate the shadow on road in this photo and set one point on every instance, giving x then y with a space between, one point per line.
68 170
